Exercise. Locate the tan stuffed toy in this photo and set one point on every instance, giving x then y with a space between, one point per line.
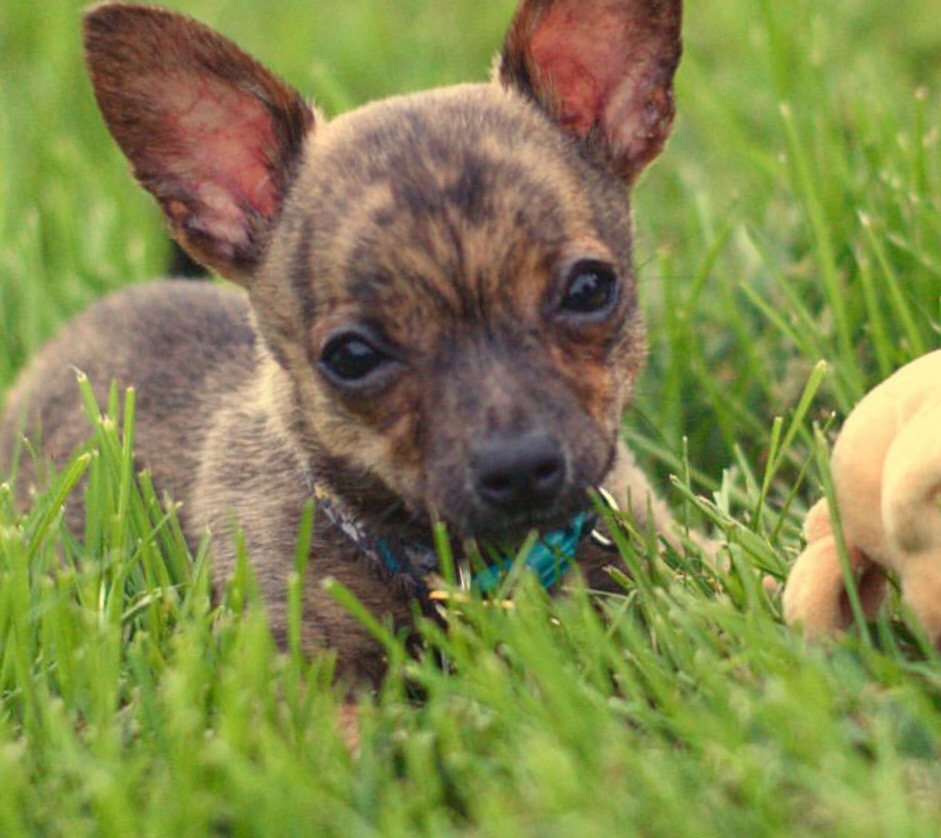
886 469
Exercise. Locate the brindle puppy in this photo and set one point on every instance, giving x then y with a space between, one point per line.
439 316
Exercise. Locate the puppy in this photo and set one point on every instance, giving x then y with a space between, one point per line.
438 317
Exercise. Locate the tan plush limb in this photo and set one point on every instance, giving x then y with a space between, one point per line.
815 596
921 591
911 484
886 469
912 514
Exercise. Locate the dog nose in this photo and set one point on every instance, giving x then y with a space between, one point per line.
520 474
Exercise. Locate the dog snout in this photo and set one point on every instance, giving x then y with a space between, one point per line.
518 475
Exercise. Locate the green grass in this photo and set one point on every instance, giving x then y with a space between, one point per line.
796 218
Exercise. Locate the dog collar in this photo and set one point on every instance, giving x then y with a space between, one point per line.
416 563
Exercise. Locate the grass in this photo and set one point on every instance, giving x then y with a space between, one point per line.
789 245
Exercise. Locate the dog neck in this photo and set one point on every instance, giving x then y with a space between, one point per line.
418 564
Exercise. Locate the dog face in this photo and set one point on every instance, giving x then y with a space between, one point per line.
471 326
445 279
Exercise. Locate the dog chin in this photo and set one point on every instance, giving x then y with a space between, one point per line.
512 530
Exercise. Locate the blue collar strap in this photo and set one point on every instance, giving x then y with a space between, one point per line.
549 559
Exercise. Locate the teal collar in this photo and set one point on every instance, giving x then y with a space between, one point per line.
549 559
416 564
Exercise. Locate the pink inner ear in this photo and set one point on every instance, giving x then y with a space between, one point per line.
582 57
217 143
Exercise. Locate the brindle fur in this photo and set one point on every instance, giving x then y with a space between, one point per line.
444 220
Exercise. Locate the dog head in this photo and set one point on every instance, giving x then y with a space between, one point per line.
445 279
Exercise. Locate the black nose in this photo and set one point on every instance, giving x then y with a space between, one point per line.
520 474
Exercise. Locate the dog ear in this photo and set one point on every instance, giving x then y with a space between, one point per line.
212 134
602 69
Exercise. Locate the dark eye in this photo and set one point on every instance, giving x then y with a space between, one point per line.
352 359
591 289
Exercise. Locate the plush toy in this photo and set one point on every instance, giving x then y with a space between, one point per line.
886 467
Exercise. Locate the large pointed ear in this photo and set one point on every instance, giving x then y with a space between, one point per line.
212 134
602 69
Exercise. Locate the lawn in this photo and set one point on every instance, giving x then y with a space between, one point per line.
789 249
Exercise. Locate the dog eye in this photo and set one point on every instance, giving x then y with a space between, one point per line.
591 289
351 359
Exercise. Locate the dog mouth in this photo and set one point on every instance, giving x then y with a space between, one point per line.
548 552
511 532
506 533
